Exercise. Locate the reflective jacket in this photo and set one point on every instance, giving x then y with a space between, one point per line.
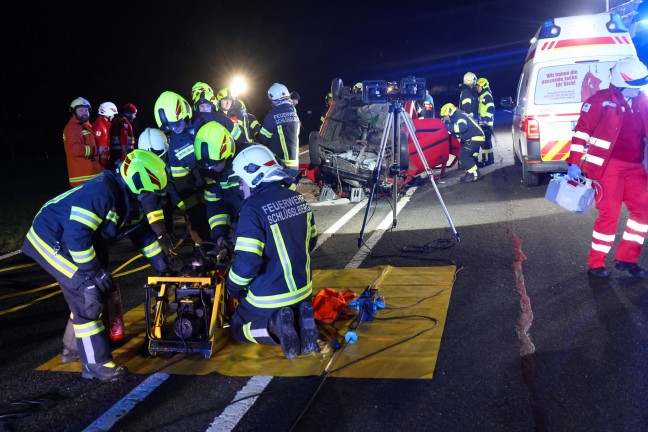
62 231
276 232
486 107
122 139
81 151
598 128
222 199
101 128
280 132
184 168
468 101
465 127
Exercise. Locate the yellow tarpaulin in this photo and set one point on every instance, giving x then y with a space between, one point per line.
402 341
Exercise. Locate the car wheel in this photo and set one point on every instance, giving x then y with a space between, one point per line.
529 178
313 148
336 87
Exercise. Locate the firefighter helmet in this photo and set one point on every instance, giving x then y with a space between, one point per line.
629 72
79 102
205 97
143 171
470 78
448 109
357 88
482 82
108 110
169 109
212 145
224 93
199 88
153 140
257 164
278 93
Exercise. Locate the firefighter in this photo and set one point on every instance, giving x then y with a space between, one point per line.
172 113
205 111
235 109
468 95
61 241
486 115
101 127
280 131
81 150
271 273
122 136
214 150
610 135
471 136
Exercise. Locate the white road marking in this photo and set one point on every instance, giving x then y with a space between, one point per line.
321 238
242 402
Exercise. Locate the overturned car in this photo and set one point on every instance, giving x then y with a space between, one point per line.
346 151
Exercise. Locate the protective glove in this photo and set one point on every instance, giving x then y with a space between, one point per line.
574 171
166 243
101 279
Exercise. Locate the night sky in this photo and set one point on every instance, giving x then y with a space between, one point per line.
133 51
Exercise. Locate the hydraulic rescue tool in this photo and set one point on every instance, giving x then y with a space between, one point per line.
367 305
190 313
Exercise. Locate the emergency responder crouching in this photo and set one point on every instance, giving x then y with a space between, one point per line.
470 135
271 274
214 149
61 241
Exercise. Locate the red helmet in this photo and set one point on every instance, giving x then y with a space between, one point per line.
129 108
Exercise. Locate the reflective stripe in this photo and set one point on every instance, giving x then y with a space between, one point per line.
280 300
184 152
284 258
155 216
248 333
211 196
576 148
83 179
152 249
86 217
282 141
238 280
83 256
600 143
57 261
112 216
633 237
219 219
248 244
637 226
601 248
603 237
582 135
236 132
179 171
265 132
594 159
88 329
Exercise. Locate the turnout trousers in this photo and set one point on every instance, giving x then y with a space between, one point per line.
621 183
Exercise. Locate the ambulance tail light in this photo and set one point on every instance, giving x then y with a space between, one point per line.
531 128
549 29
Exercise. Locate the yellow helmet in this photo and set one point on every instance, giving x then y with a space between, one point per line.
169 109
448 109
224 93
197 89
470 78
143 171
482 82
213 144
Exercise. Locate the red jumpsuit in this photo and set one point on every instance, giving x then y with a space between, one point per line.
609 138
122 139
101 128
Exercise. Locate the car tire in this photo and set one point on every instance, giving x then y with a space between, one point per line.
313 148
336 87
529 178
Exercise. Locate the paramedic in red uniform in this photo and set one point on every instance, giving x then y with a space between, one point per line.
610 134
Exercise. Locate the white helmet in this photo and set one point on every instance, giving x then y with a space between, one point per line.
256 164
78 102
278 93
153 140
470 78
629 72
108 110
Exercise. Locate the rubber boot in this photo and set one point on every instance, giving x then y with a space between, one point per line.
70 352
307 328
282 327
104 372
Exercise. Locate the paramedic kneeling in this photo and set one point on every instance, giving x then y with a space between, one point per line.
610 133
271 272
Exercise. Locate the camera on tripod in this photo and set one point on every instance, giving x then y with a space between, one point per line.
380 91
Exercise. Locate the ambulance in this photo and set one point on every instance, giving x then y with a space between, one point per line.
568 61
